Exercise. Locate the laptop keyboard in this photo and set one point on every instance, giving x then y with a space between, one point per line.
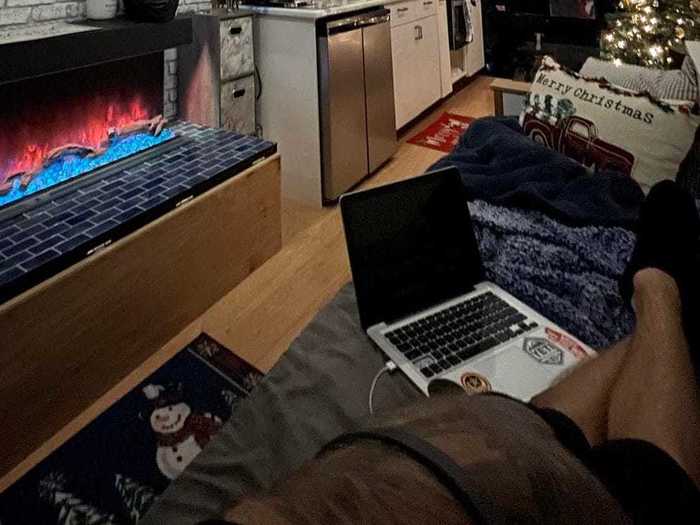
444 340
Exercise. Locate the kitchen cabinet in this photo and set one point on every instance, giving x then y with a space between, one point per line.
217 73
444 47
292 110
474 60
416 58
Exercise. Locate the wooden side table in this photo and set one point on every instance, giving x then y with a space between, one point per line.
508 96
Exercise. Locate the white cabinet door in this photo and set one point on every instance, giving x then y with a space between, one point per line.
416 64
444 46
475 50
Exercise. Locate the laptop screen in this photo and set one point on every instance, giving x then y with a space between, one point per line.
411 245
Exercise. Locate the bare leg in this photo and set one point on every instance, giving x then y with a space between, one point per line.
656 397
584 395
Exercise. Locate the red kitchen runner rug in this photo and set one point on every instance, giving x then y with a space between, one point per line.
444 133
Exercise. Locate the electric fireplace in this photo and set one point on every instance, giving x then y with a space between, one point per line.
86 156
66 125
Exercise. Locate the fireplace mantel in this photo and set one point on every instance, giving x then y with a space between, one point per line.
109 41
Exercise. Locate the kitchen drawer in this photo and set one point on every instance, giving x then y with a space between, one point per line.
426 8
236 48
238 105
404 12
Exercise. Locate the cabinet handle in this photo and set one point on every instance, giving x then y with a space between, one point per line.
402 9
419 32
238 93
235 30
427 3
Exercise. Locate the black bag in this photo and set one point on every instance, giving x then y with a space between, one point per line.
151 10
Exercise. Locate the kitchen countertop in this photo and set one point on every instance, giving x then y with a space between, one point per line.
225 14
322 9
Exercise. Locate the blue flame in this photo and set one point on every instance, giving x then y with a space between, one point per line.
71 166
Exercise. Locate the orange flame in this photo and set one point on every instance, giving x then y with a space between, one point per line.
87 125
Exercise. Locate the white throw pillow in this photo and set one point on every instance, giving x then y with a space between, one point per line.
605 127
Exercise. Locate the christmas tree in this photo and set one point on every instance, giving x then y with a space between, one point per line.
136 497
71 509
647 32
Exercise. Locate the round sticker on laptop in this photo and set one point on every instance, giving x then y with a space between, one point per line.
475 383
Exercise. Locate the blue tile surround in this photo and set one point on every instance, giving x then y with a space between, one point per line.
51 237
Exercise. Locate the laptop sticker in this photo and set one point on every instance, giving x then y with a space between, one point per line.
475 383
567 343
542 351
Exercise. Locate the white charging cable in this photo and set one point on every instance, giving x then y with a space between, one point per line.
390 366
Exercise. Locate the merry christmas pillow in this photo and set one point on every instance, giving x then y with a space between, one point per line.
605 127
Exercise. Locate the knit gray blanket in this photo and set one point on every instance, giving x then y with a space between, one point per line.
569 274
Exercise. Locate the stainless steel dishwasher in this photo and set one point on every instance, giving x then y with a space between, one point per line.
356 86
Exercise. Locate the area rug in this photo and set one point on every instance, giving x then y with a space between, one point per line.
444 133
112 471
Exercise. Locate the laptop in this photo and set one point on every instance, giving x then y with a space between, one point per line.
423 298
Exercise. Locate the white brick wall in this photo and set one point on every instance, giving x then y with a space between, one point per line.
17 14
58 11
14 15
170 83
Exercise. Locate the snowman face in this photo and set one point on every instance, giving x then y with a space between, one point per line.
169 419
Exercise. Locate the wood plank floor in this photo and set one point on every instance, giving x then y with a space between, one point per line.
261 316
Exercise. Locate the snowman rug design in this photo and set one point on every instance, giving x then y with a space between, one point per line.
180 434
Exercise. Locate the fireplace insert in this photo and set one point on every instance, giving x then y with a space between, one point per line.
63 127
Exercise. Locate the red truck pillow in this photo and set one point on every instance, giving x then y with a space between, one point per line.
605 127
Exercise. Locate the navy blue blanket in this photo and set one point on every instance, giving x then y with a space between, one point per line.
569 274
502 166
551 233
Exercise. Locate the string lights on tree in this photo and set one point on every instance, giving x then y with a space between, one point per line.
646 32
